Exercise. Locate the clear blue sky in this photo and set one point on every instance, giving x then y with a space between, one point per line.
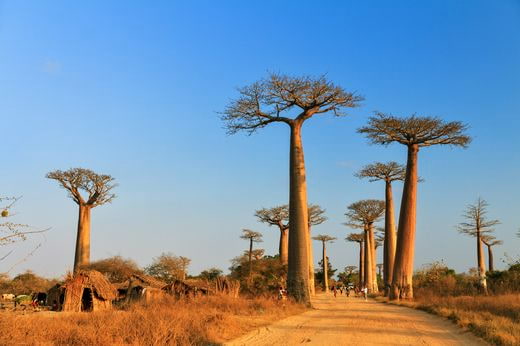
132 89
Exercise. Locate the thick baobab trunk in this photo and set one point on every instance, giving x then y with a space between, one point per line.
82 256
298 269
250 257
373 268
368 279
490 259
312 284
389 242
481 265
284 245
325 269
402 284
361 265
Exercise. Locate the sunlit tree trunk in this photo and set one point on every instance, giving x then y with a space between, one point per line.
325 263
298 269
312 284
82 256
284 245
372 284
481 265
402 284
368 279
490 259
250 257
361 264
390 238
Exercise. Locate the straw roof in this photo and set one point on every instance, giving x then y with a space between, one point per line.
148 280
99 283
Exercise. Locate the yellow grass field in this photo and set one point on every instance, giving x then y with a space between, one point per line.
494 318
206 320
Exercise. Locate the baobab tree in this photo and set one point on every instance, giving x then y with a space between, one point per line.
278 216
478 226
491 241
324 240
414 132
274 100
360 239
380 267
363 214
98 189
252 237
387 172
316 217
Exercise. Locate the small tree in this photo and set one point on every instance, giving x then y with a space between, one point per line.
320 277
324 240
478 226
274 100
252 237
360 239
387 172
491 241
278 216
168 267
211 274
363 214
414 132
116 269
99 191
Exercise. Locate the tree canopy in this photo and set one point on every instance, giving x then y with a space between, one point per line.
253 236
420 130
355 237
477 220
264 102
365 212
98 187
388 172
324 238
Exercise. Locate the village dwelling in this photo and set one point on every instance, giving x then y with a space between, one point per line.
55 297
141 286
88 290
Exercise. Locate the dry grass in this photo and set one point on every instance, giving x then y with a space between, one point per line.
494 318
206 320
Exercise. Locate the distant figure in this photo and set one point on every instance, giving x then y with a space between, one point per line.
348 291
341 290
281 294
365 292
335 291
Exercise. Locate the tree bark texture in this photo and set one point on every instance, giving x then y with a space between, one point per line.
368 280
373 284
284 245
402 284
390 238
82 255
298 269
325 269
490 259
481 265
312 284
361 265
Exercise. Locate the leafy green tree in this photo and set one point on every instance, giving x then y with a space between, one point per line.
168 267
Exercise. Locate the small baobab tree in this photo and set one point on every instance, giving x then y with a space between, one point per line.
324 240
274 100
316 217
278 216
98 189
252 237
414 132
491 241
363 214
387 172
360 239
478 226
380 267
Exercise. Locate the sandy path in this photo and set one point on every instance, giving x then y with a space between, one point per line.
353 321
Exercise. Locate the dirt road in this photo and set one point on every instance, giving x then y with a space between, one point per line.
353 321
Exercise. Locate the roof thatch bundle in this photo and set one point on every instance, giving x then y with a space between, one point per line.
88 290
138 284
181 289
224 285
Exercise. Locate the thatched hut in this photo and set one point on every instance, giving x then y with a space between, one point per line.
187 288
139 284
55 297
88 290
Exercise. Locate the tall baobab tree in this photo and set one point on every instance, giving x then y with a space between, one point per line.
324 240
380 267
363 214
252 237
98 189
316 217
278 216
275 99
387 172
360 239
414 132
478 226
491 241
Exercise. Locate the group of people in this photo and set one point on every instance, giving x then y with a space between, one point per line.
348 288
